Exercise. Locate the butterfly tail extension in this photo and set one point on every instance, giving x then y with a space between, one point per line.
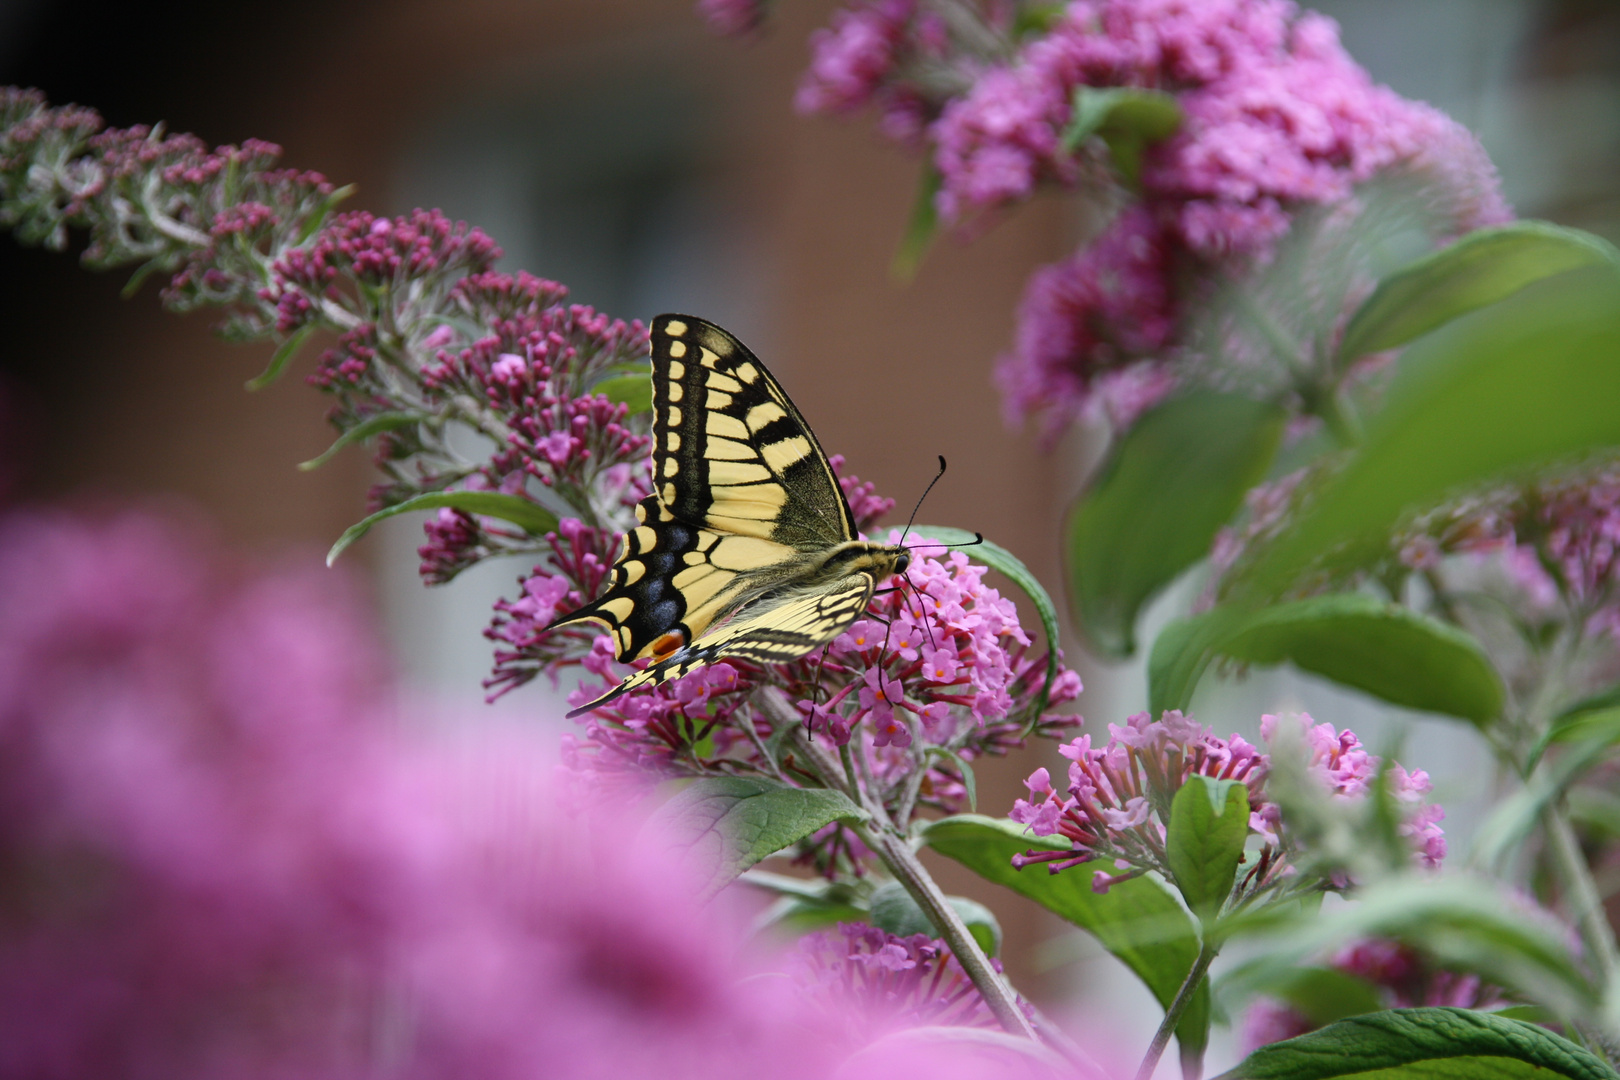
682 663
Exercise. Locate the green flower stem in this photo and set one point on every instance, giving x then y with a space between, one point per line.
1172 1015
901 861
1581 893
907 868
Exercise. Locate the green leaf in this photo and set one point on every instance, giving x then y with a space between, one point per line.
793 916
1323 995
1595 809
921 227
1139 921
1512 819
1209 820
1013 569
282 357
1154 505
535 520
1181 654
1485 266
1127 119
375 425
732 822
1521 384
803 904
894 910
317 217
1466 922
1424 1044
633 390
1387 650
1592 718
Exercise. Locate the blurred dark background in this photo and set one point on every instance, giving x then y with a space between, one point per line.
619 147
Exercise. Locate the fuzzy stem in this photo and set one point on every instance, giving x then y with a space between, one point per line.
1581 893
1173 1014
901 861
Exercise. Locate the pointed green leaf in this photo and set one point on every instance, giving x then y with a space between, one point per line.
1466 922
1127 119
1155 504
729 823
534 519
1181 654
921 227
1485 266
1139 921
1592 718
1516 386
1321 995
1209 820
894 910
1013 569
1386 650
375 425
282 357
1424 1044
317 217
633 390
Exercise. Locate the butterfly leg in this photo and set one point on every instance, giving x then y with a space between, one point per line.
922 613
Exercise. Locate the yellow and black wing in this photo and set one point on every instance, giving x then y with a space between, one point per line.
741 493
730 451
767 633
673 580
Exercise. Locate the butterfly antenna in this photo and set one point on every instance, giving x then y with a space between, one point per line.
926 490
978 538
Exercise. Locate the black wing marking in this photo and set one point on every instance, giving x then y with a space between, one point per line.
770 634
673 579
730 450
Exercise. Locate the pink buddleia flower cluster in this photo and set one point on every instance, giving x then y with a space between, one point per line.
879 982
1541 552
1275 118
1556 538
945 651
1117 803
943 664
1402 977
432 343
1085 325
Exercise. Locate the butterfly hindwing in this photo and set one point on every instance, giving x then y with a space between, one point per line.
672 581
772 634
730 450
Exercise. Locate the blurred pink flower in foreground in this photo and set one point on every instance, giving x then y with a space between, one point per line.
225 857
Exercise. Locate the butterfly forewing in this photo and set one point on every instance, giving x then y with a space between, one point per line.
730 451
741 530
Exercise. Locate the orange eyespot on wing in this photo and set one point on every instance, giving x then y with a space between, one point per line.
666 646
